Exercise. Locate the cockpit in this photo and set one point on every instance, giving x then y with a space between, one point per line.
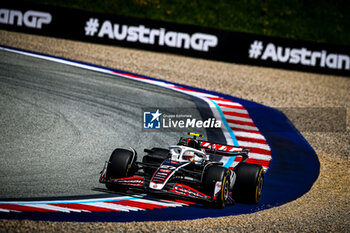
184 153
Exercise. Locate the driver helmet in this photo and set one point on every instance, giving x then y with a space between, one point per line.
188 155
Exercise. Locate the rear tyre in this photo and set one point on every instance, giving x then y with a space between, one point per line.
249 183
212 175
121 164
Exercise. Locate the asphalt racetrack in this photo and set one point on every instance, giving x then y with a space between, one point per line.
60 123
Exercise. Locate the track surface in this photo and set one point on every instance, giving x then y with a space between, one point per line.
59 124
295 163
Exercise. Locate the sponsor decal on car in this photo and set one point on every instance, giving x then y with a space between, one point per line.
188 191
132 181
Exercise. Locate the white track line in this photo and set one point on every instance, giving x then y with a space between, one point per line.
159 203
113 206
54 208
245 119
249 135
254 145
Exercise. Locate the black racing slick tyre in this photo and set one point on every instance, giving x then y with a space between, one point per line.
249 183
212 175
121 163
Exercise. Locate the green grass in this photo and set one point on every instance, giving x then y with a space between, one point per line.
318 21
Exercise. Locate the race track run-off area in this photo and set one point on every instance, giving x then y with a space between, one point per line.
290 163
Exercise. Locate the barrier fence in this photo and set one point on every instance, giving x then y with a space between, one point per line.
194 41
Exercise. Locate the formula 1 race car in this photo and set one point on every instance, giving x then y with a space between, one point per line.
187 170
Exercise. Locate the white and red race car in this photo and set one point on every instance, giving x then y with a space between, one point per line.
187 170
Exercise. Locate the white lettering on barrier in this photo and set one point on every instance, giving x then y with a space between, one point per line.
32 19
301 56
197 41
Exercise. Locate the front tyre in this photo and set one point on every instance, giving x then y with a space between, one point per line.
121 164
217 175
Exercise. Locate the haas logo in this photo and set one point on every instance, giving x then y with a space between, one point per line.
31 19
